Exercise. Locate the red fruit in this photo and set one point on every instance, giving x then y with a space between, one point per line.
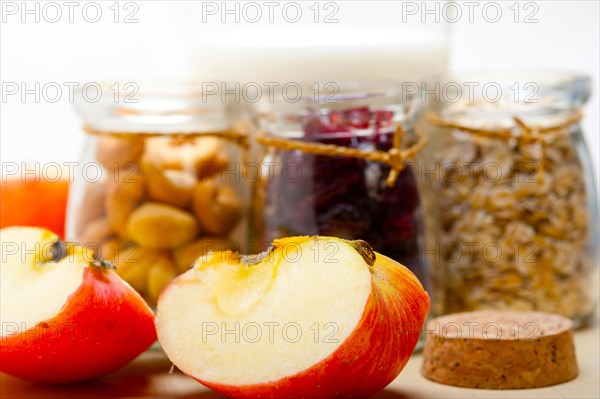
66 317
356 318
358 118
333 122
34 202
400 228
383 119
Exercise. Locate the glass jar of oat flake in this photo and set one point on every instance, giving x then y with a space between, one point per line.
515 211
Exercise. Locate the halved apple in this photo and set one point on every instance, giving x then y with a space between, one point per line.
313 317
66 316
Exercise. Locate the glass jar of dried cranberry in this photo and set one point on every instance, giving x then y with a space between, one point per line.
337 162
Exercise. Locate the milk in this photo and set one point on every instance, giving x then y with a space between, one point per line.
406 62
369 42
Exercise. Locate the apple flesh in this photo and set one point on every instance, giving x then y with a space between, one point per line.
314 317
65 315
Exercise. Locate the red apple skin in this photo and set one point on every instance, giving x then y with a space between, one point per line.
371 357
103 326
26 203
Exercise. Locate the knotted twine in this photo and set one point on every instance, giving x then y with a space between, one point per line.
522 132
395 157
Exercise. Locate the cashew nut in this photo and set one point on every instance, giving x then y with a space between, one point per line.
186 255
185 154
122 198
159 276
91 207
156 225
116 152
217 208
171 186
97 231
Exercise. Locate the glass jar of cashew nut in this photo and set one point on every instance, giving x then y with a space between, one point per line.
158 184
515 205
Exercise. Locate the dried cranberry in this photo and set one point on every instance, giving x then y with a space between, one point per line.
383 119
337 119
344 220
358 118
323 124
404 194
400 228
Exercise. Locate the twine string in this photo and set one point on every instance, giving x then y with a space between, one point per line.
522 132
237 137
395 157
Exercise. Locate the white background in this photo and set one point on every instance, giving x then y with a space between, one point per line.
166 37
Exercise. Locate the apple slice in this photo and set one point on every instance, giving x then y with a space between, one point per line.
313 317
65 315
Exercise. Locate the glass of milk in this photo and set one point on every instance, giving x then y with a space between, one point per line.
266 42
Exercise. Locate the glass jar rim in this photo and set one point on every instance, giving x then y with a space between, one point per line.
493 98
152 107
328 93
285 117
524 85
546 75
